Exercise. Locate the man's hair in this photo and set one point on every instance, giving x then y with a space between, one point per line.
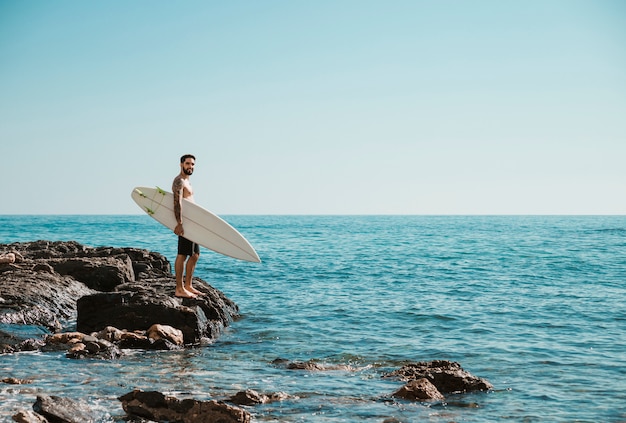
187 156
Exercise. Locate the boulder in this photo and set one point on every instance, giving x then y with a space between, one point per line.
158 332
63 410
27 416
446 376
156 406
138 306
419 390
252 397
56 283
38 298
310 365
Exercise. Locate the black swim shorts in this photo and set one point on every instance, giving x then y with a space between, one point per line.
186 247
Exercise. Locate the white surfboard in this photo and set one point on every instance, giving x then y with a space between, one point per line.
201 226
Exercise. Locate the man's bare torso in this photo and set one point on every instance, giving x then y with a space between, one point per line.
185 185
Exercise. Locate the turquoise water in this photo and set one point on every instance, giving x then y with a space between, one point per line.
536 305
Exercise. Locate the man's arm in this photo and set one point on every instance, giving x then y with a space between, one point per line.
177 187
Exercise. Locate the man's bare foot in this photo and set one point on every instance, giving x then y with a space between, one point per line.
193 290
184 294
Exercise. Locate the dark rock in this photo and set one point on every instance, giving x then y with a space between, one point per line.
139 311
103 274
139 305
108 342
9 342
27 416
310 365
156 406
56 282
447 376
252 397
63 410
249 397
38 298
420 390
158 332
14 381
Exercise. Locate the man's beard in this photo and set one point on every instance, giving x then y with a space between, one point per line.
188 171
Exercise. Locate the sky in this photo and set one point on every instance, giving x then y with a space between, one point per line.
315 107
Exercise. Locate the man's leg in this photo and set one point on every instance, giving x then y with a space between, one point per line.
179 267
190 268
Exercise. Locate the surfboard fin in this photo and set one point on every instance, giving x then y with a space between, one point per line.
149 211
161 191
140 193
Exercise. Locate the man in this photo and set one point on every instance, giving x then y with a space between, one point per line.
188 251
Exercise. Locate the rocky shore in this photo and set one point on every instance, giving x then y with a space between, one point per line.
97 303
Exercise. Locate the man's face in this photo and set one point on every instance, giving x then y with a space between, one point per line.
188 165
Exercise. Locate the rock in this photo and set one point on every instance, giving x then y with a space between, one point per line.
10 343
157 332
103 274
63 410
14 381
111 334
139 305
420 390
310 365
156 406
55 283
26 416
447 376
65 338
130 311
252 397
99 348
38 298
249 397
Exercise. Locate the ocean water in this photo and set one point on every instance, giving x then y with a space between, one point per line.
534 304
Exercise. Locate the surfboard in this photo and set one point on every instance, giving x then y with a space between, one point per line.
201 226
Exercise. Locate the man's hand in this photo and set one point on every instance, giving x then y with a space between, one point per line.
178 230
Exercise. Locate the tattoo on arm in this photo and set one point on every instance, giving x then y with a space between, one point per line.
177 187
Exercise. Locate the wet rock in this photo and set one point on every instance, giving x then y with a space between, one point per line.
141 309
101 274
252 397
156 406
111 334
109 342
158 332
419 390
447 376
55 283
27 416
10 343
39 298
14 381
63 410
310 365
98 348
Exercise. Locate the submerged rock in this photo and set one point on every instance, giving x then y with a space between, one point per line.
446 376
60 409
252 397
156 406
419 390
311 365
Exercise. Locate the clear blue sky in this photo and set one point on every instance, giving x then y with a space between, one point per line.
315 107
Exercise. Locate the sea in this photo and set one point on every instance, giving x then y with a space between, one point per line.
536 305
